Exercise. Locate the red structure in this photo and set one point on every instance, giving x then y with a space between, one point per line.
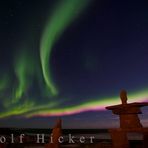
56 133
129 122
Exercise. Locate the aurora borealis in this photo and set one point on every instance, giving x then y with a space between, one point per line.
64 13
71 57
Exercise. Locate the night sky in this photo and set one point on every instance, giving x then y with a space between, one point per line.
70 59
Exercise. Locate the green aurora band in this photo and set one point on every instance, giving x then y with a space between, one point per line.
29 109
23 73
64 13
